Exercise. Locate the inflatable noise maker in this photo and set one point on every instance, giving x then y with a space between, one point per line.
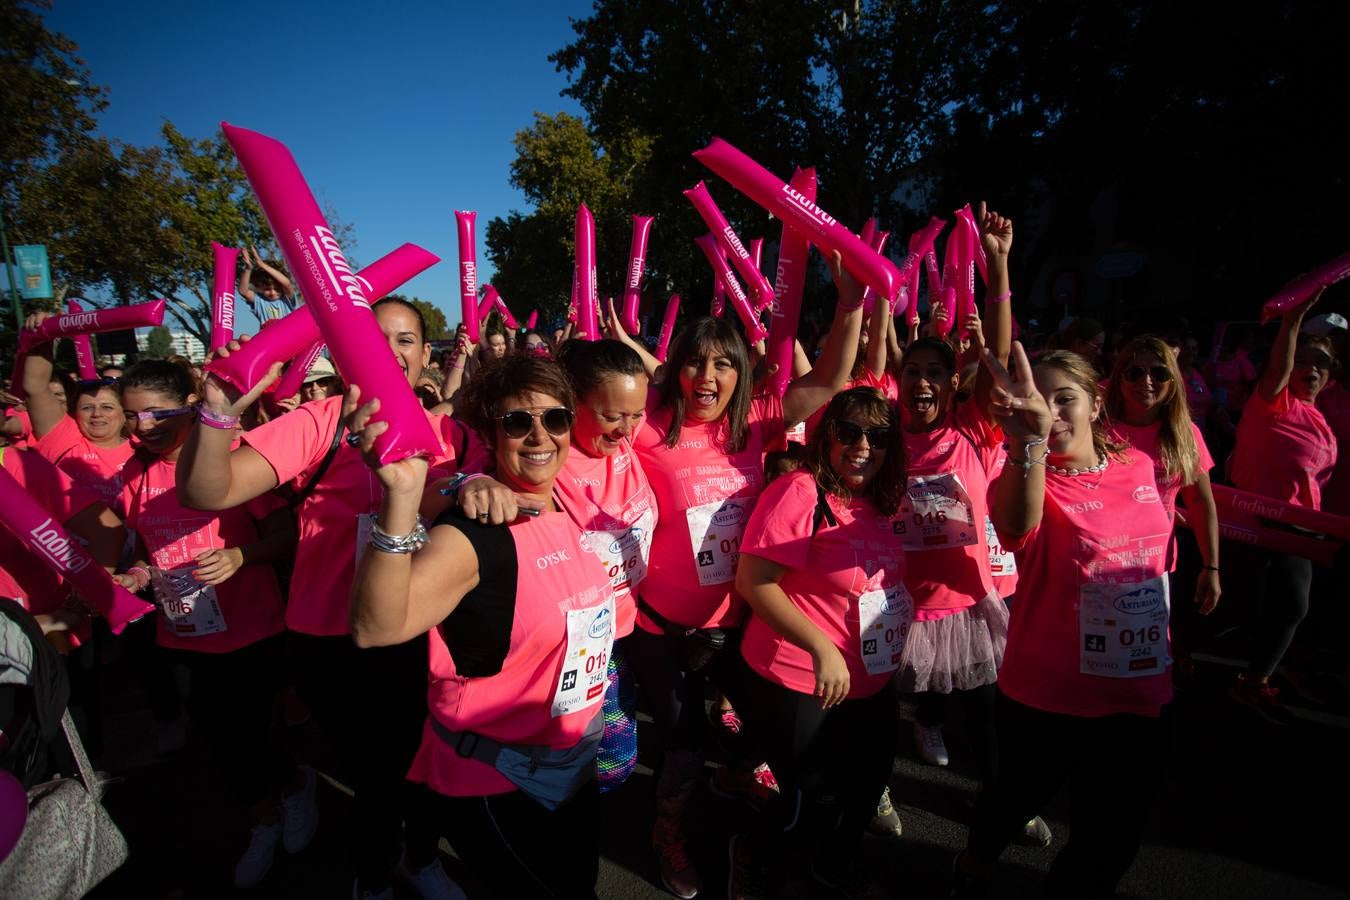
286 338
1332 525
584 297
533 321
493 301
757 286
49 541
920 248
336 297
468 273
222 295
754 330
74 324
1304 286
485 305
668 327
637 258
84 348
789 280
294 377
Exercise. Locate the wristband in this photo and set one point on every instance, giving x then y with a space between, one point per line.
216 420
1006 295
1209 568
142 576
457 481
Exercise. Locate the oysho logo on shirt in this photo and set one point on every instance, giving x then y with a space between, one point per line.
1145 493
552 559
1085 506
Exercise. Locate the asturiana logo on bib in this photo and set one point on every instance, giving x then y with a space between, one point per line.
1139 602
731 514
49 542
927 490
894 603
601 624
1146 493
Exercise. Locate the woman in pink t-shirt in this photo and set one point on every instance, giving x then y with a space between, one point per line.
85 438
1285 450
522 624
703 451
822 573
220 612
335 497
1086 667
1146 409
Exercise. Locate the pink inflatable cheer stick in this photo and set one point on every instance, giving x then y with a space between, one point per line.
964 280
757 183
757 285
222 294
719 300
965 215
1303 287
500 305
789 280
637 258
533 321
1247 529
1287 513
920 245
93 322
667 326
877 242
486 304
63 554
754 330
934 281
588 323
756 255
84 348
294 377
468 273
943 327
334 294
283 339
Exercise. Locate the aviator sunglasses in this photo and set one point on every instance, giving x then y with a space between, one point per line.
1159 374
519 422
848 433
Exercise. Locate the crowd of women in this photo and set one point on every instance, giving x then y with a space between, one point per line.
956 520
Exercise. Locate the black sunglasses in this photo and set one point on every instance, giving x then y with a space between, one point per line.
1159 374
1317 359
520 422
103 381
847 433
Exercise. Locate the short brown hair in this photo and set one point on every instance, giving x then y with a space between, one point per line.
507 377
888 487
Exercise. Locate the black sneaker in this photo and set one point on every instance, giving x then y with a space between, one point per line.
748 876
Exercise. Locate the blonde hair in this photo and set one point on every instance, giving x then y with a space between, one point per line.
1177 450
1081 373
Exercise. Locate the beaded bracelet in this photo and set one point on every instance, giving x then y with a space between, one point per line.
216 420
142 576
1027 462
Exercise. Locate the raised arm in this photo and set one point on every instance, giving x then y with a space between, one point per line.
1020 410
996 233
1281 364
283 283
44 410
809 393
878 327
614 325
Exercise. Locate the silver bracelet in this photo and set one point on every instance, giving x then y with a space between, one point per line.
401 543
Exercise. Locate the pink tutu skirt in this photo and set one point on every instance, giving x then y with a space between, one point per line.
957 652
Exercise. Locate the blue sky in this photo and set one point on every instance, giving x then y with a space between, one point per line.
398 113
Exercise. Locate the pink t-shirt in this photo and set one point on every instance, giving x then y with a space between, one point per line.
1198 397
609 498
1101 536
325 559
706 496
22 576
826 575
22 442
1002 561
99 469
1285 450
942 516
1144 439
1235 376
1334 403
250 601
556 581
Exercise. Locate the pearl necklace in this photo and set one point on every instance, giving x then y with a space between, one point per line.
1102 463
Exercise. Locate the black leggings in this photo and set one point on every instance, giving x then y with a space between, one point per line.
1277 587
1113 766
673 693
978 705
519 849
831 765
371 705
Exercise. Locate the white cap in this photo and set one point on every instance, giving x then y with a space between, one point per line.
1325 324
322 368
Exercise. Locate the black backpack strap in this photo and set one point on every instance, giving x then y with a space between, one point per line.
823 512
304 492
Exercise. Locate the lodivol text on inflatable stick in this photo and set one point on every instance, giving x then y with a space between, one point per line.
222 294
637 258
84 348
468 272
668 327
789 281
757 286
294 377
585 298
711 247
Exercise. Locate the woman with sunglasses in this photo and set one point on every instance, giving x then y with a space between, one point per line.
1146 408
83 436
521 623
337 498
1285 450
703 450
822 573
220 609
952 453
1085 678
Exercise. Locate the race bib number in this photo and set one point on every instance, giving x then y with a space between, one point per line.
715 531
190 608
590 641
884 617
623 553
1122 628
936 514
1001 562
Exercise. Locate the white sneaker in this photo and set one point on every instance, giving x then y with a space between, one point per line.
429 882
928 741
300 815
256 862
